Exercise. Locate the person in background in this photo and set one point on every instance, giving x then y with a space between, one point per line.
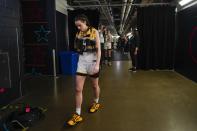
108 47
101 36
133 49
126 46
122 43
105 53
87 45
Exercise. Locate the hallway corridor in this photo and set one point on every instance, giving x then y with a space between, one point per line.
142 101
42 38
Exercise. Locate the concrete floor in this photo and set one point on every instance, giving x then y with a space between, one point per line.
142 101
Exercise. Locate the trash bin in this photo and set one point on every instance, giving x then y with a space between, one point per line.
68 62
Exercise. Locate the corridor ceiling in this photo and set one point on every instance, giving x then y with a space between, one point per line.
118 15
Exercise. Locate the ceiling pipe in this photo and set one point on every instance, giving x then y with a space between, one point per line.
122 15
120 5
130 23
127 12
107 14
104 9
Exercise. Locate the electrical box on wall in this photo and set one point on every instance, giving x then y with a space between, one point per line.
5 79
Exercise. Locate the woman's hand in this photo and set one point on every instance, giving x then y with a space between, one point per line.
96 69
135 53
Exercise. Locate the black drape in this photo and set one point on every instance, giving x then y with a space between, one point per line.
156 25
61 31
93 16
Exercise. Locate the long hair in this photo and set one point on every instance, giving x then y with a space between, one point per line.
83 18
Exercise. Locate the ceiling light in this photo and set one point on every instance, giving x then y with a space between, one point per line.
184 2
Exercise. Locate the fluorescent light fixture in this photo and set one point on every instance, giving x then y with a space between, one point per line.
115 36
184 2
128 34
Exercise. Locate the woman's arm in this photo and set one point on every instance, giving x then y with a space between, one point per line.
98 52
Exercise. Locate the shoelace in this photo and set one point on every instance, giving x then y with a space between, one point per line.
74 118
94 106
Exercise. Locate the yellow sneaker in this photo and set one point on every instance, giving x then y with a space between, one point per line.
94 107
75 120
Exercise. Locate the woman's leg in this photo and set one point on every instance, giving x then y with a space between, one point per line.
106 56
102 54
109 57
78 92
95 106
96 88
133 59
77 118
109 54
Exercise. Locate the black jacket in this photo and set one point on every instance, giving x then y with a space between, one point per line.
134 42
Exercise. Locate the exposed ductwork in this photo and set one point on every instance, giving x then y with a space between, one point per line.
131 21
129 6
105 10
122 15
123 11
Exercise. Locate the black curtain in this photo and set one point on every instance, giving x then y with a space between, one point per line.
93 16
61 31
156 25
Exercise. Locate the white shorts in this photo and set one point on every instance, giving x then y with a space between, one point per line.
107 46
86 65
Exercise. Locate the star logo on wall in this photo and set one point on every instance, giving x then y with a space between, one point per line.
42 34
